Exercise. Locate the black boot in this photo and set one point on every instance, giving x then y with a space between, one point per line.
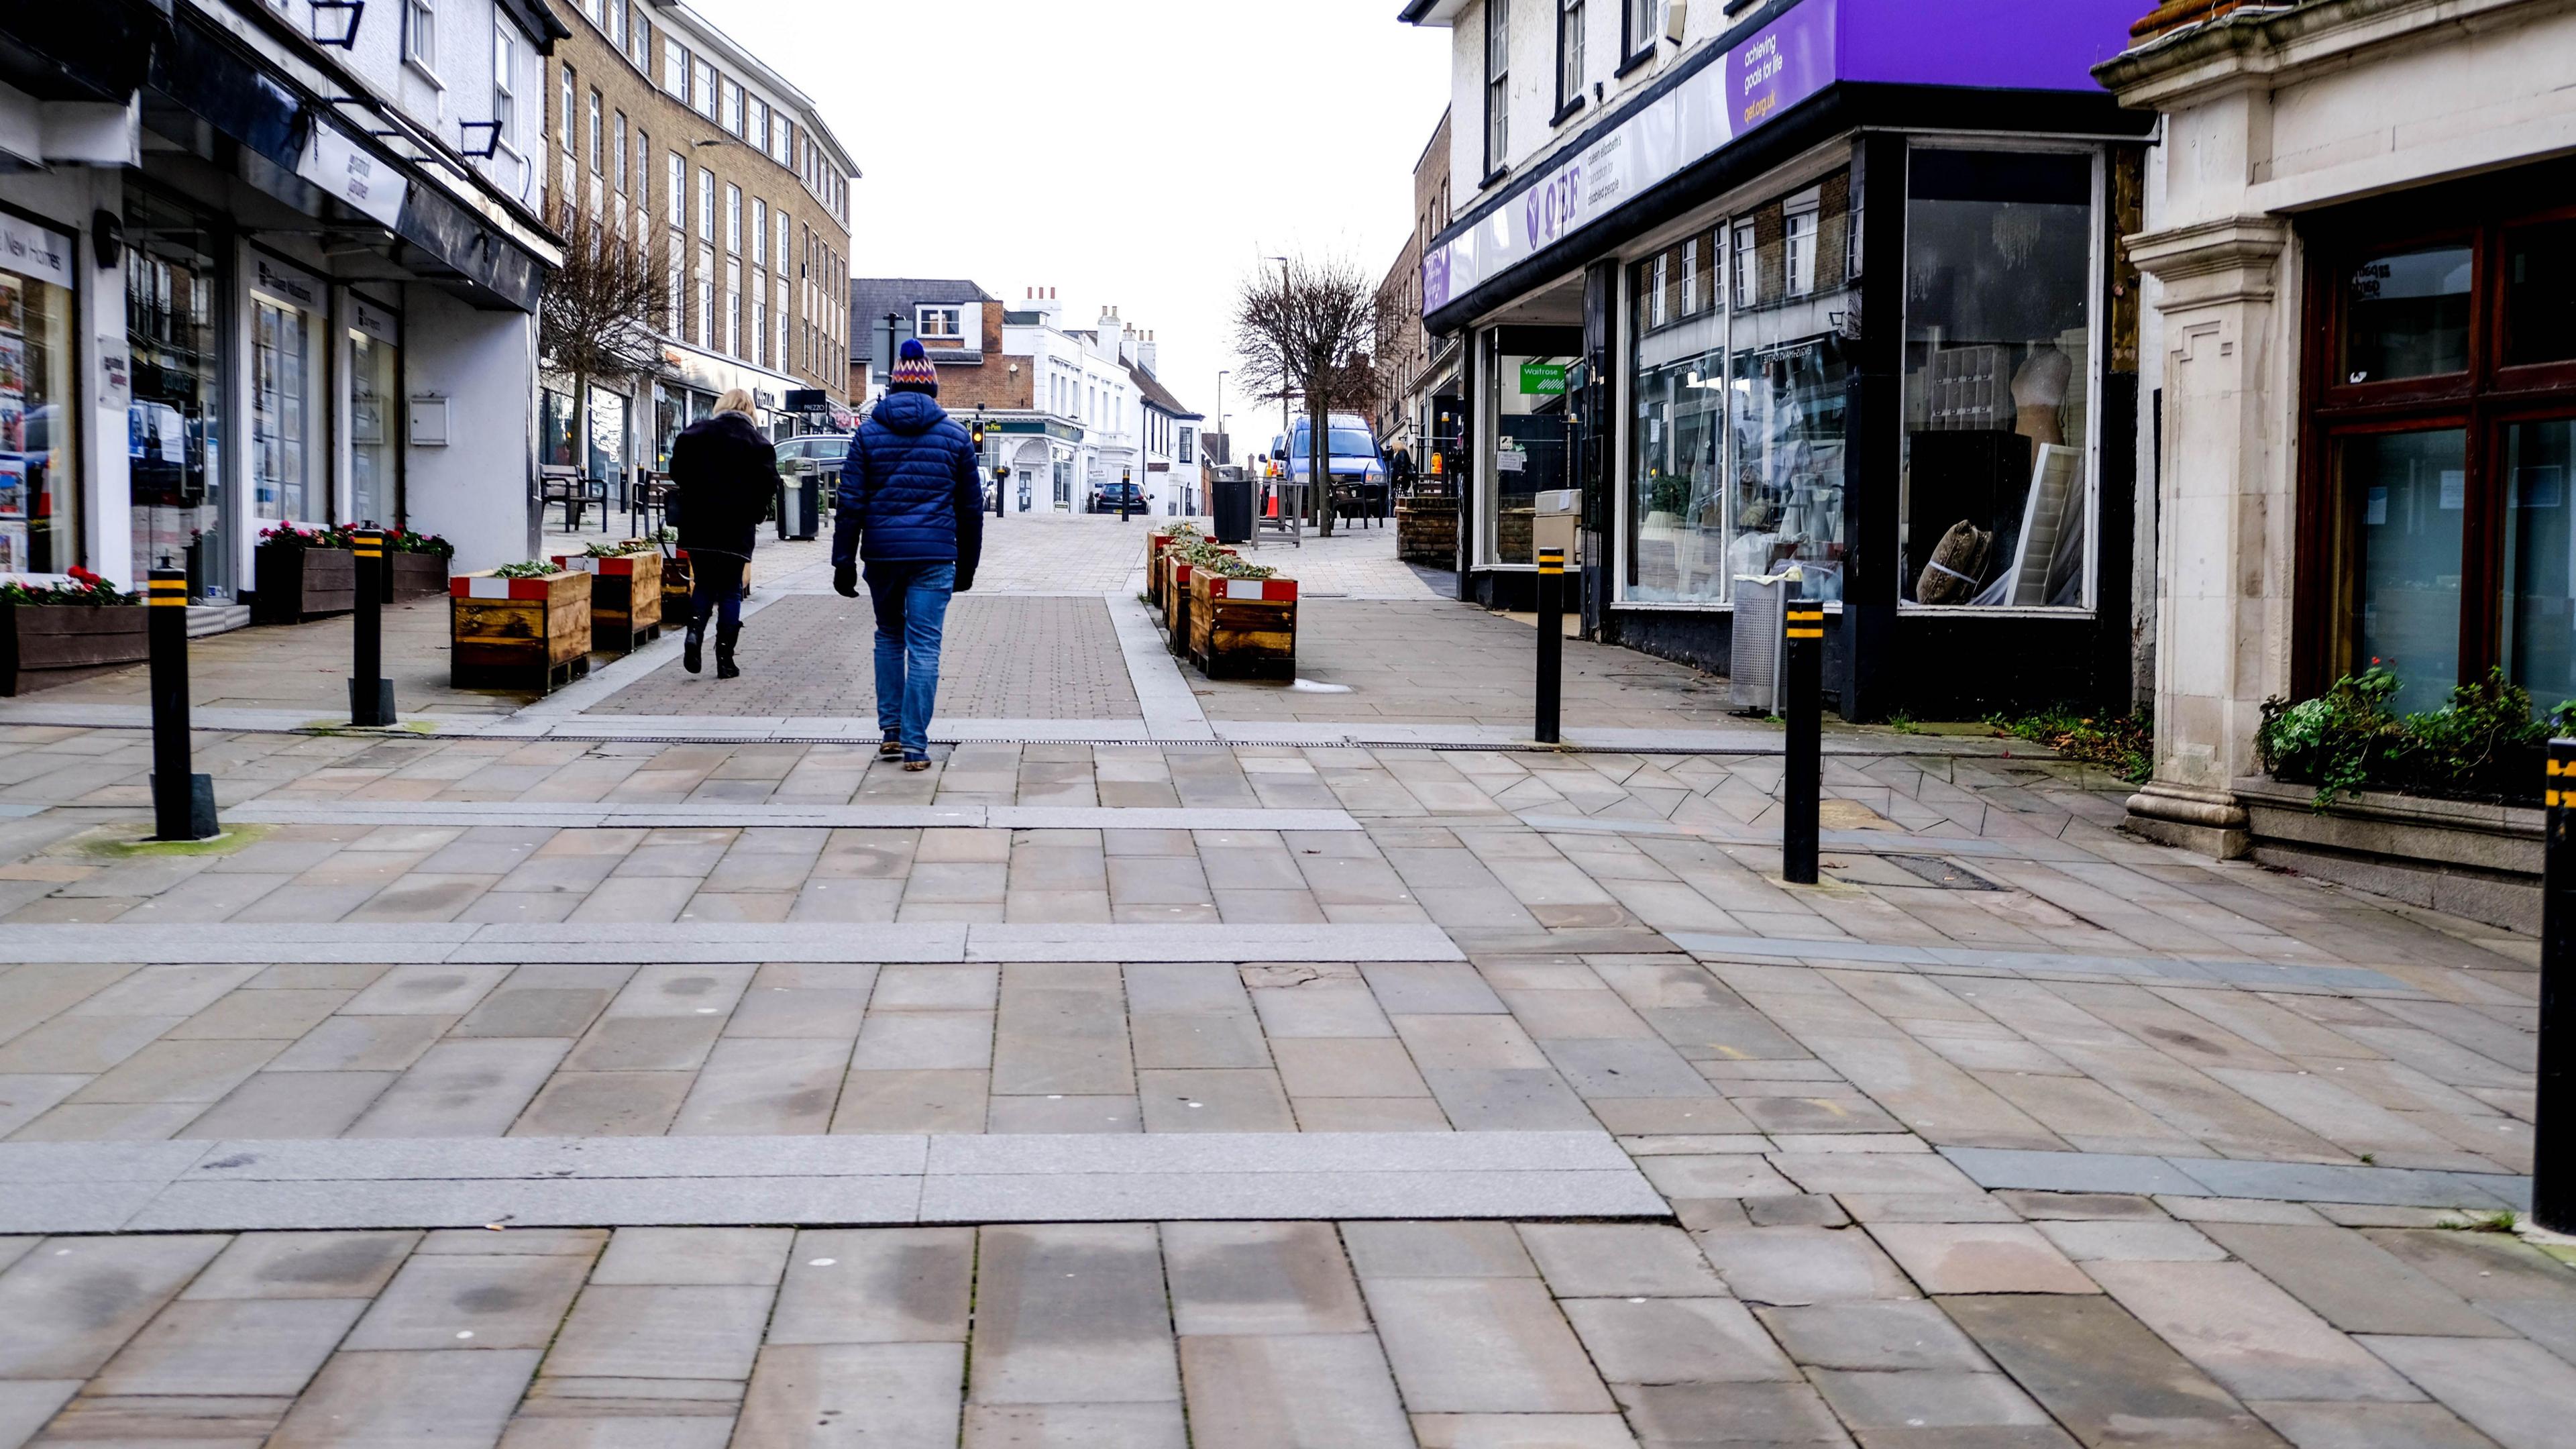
690 658
725 635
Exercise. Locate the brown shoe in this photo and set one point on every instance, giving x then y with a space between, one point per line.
912 765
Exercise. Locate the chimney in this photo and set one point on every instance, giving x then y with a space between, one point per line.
1113 333
1145 351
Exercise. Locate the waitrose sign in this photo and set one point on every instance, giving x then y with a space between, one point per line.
2015 44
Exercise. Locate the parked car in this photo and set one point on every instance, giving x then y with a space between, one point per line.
1104 497
813 452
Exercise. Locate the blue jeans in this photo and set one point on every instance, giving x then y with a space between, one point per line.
912 607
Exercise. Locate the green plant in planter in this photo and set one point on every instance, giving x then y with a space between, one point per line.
1227 566
532 569
2332 740
287 535
2482 744
403 541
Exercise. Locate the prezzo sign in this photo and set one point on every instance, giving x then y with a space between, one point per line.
1771 71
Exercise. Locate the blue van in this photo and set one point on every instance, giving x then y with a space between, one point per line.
1352 457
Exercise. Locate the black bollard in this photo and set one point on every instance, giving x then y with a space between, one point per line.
1001 485
1551 640
183 802
2553 1154
1126 491
371 695
1802 779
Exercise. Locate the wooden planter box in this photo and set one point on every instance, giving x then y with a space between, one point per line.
625 599
42 645
528 634
291 585
414 575
1243 628
1176 605
1156 544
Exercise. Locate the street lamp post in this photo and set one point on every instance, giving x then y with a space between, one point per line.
1286 429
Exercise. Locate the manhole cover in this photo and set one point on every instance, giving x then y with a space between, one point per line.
1939 872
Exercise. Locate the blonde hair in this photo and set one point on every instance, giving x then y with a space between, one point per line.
735 400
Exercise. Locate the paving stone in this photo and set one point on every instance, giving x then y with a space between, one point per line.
1980 1258
558 1428
879 1285
1793 1210
1522 1431
2516 1393
1257 1279
661 1332
1871 1172
504 1301
426 991
2105 1375
1798 1265
1436 1250
362 1044
1732 1174
1326 1006
1369 1114
2080 1206
303 1265
1260 1391
1713 1414
1347 1067
1626 1068
898 1395
2134 1241
273 1104
230 1346
605 1104
445 1399
748 1257
2489 1269
2247 1334
1198 1039
1506 1099
912 1101
70 1303
765 1085
1214 1101
1603 1260
267 1015
463 1089
1430 988
1676 1340
2351 1282
1075 1426
178 1071
1060 1029
2370 1426
1929 1399
1523 1359
1892 1335
26 1404
925 1041
1072 1314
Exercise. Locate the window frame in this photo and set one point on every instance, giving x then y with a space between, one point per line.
420 36
954 314
1636 48
1569 60
1498 89
505 78
2484 401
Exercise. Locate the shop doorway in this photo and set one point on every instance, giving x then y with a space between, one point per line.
1530 387
176 323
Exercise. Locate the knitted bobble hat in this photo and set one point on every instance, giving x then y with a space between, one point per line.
913 372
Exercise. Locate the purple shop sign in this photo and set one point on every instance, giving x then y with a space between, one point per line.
1987 44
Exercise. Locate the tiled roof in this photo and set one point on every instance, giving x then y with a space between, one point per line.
1158 396
873 297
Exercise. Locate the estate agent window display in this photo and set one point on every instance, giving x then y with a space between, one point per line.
2437 530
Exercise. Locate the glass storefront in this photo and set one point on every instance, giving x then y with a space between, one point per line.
175 317
374 458
606 457
284 309
554 428
2540 559
1995 502
1737 420
1528 389
2412 490
38 487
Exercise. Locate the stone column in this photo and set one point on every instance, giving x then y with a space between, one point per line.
2227 519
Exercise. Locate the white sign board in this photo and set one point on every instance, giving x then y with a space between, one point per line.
334 161
34 251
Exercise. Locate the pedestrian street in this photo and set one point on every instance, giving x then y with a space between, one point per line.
1215 1064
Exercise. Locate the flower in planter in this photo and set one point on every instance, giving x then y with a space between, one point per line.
532 569
287 535
403 541
85 588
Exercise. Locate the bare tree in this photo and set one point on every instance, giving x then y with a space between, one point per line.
603 312
1309 331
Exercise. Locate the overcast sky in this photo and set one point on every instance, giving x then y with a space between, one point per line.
1142 153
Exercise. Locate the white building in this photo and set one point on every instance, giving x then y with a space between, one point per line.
1078 379
267 262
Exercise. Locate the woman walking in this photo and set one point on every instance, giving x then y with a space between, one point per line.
727 473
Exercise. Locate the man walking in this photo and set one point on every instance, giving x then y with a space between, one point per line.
910 508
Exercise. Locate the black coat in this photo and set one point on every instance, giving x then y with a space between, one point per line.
727 472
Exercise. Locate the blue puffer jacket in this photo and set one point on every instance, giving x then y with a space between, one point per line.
910 490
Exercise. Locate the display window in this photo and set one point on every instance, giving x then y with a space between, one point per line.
1533 375
174 423
2437 534
38 404
284 310
1996 502
1736 399
375 457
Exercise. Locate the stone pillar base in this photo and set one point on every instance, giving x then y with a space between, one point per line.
2207 821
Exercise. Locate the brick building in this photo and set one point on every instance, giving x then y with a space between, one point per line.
675 139
1407 351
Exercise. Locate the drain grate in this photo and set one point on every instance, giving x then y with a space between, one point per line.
1939 872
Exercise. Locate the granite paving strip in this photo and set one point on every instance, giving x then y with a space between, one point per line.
1995 1168
777 815
2258 975
813 1180
1163 693
716 942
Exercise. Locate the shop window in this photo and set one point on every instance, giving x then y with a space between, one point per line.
2437 534
2540 293
278 412
2406 314
174 423
1995 504
1528 396
38 402
373 399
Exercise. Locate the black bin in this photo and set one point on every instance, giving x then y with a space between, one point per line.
800 506
1232 505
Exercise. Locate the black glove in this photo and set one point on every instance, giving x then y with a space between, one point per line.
845 580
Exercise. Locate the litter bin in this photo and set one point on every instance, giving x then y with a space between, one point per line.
1232 505
800 505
